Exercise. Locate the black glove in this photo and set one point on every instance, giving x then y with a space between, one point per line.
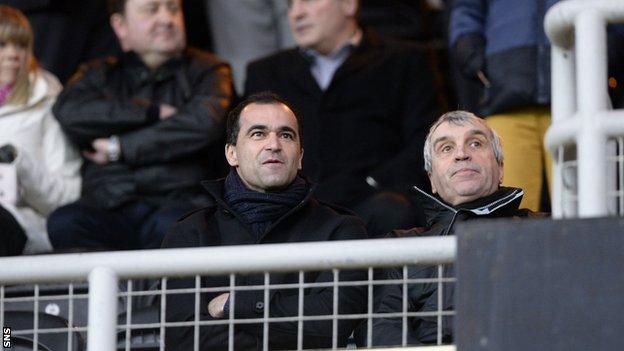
7 153
469 54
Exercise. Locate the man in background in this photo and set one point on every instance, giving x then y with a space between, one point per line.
365 103
149 123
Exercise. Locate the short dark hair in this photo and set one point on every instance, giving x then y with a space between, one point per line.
263 98
116 6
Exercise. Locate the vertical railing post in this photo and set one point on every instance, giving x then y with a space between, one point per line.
591 56
563 107
102 332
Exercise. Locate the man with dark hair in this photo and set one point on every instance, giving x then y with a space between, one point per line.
464 160
233 121
366 103
263 200
150 126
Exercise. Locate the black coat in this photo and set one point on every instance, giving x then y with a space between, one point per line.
219 225
423 297
371 120
161 159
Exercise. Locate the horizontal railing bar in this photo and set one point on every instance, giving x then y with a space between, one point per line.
304 285
158 292
565 132
350 254
303 318
562 133
559 20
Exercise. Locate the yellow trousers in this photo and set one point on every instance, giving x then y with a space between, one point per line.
525 156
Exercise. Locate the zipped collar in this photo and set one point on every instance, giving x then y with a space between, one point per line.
503 202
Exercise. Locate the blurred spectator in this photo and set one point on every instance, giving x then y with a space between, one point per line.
33 147
245 30
263 200
395 18
464 160
150 125
365 103
503 45
68 32
422 22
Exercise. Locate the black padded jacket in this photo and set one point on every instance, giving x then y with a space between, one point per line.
161 160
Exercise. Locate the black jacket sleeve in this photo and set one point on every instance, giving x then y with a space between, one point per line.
94 106
88 108
198 123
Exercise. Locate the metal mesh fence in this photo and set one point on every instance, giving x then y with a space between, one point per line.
55 317
614 181
48 317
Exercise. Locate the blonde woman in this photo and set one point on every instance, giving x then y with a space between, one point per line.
46 165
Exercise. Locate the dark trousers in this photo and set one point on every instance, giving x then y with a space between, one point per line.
134 226
12 236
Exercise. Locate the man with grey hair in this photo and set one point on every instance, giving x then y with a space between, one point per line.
464 162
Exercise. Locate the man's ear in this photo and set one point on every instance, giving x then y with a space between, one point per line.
230 155
349 7
501 173
117 22
433 188
300 163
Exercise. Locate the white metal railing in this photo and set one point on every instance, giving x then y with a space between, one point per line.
581 115
104 270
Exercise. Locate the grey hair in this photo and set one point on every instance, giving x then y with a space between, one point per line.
461 118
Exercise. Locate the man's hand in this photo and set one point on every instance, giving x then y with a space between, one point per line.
100 155
167 111
215 306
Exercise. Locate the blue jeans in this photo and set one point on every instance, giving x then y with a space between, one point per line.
134 226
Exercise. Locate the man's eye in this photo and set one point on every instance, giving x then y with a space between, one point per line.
446 149
173 7
151 9
288 136
476 144
257 134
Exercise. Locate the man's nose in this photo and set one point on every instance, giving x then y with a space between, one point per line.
165 15
461 153
273 142
295 10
